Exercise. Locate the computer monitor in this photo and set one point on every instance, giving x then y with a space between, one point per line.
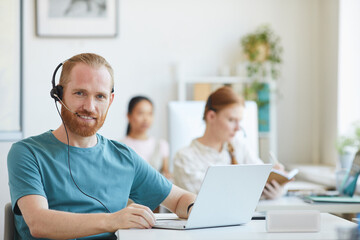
186 123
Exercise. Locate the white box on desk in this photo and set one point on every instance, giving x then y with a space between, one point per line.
293 221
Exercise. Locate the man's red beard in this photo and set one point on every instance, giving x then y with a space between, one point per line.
80 127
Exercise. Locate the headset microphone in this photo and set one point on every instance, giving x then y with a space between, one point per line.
62 103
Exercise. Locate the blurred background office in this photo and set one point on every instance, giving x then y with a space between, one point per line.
157 42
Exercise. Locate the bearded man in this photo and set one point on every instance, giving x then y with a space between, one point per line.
72 183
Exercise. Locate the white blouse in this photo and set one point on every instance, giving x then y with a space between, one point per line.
151 150
191 163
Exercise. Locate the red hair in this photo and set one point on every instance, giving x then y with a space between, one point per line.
222 98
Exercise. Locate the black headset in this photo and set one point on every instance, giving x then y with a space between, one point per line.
57 90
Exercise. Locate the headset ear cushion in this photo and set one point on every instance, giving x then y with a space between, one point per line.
58 91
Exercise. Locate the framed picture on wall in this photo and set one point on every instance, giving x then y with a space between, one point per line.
76 18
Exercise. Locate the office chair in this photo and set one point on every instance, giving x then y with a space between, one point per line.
9 226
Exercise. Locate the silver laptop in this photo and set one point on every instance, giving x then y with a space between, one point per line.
228 196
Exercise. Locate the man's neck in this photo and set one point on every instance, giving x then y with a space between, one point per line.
211 141
74 139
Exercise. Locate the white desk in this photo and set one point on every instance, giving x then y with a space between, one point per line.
296 203
253 230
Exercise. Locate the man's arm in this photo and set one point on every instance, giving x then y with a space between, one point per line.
178 201
46 223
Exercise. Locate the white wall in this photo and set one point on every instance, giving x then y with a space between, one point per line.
199 36
349 71
328 81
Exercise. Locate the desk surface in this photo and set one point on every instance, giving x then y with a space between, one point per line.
296 203
253 230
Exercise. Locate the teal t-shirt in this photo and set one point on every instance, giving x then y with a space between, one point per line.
109 171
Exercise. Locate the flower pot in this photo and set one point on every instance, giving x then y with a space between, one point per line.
346 160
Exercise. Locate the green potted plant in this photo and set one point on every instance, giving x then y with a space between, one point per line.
344 146
357 135
262 48
263 52
347 146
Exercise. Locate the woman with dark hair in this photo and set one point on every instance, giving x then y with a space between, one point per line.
152 150
223 112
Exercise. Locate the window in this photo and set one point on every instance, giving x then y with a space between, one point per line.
349 60
10 70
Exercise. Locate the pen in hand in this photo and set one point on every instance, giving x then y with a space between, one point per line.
276 164
273 159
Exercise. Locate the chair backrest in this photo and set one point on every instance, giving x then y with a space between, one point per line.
186 122
9 225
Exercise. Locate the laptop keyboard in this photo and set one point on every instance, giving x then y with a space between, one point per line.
171 223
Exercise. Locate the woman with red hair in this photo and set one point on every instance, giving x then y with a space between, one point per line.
223 112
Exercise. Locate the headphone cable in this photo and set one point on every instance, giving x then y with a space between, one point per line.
68 147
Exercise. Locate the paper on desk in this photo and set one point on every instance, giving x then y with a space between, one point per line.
333 199
304 186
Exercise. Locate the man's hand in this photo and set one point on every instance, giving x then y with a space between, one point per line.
272 190
133 216
46 223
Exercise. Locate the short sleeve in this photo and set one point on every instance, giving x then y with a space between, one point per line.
24 174
149 187
164 148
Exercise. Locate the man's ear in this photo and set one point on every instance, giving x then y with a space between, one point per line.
112 95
